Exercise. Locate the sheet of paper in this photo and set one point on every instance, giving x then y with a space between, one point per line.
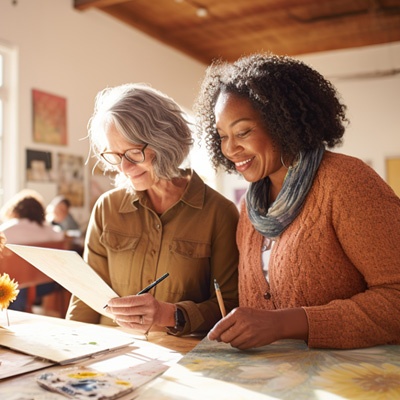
70 270
65 342
138 363
14 363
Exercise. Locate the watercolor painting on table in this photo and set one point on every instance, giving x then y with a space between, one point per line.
284 370
53 342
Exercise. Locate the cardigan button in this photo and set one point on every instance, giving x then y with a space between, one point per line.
267 295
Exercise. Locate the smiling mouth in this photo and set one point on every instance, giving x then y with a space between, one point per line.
241 163
136 176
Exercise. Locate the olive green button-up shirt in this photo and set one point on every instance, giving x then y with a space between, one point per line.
130 246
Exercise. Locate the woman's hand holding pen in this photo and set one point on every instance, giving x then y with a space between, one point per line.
141 312
246 327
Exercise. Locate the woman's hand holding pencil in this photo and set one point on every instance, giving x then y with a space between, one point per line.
219 298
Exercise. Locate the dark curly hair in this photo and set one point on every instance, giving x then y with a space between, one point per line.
25 204
300 108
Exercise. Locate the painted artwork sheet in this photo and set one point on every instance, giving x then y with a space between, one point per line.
13 363
284 370
62 343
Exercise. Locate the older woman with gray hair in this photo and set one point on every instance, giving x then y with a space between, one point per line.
161 218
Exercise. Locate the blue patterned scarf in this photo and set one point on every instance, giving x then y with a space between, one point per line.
298 181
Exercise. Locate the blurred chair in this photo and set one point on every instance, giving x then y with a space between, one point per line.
54 304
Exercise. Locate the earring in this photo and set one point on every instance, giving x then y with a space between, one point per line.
282 162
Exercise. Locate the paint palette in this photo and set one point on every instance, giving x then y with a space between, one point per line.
84 383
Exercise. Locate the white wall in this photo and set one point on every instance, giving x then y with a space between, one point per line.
373 103
75 54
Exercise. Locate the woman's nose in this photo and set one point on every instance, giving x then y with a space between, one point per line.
230 148
125 165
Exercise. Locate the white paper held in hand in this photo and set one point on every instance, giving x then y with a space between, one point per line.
68 268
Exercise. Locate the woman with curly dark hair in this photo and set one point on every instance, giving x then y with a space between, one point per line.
318 232
24 220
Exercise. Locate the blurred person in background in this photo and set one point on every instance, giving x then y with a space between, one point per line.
58 213
24 223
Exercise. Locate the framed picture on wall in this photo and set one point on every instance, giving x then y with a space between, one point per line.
38 166
49 118
71 178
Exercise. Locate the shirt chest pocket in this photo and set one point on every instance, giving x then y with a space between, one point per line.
189 249
117 242
120 253
191 261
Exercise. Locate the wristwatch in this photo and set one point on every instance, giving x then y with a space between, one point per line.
179 322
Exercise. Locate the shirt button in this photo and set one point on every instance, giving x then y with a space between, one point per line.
267 295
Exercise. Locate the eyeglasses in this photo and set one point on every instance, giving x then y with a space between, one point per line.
135 156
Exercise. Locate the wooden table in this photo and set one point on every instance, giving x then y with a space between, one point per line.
159 351
200 369
181 345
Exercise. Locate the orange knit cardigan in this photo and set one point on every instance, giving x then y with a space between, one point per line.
339 259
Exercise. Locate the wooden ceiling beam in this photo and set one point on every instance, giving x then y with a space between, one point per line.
233 28
85 4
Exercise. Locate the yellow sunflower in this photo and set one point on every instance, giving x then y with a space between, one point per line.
8 291
361 382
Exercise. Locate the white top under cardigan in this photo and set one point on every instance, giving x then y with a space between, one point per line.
265 256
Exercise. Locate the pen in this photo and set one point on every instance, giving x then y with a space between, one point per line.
219 298
148 288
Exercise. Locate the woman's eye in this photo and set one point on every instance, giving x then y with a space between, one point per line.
244 133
